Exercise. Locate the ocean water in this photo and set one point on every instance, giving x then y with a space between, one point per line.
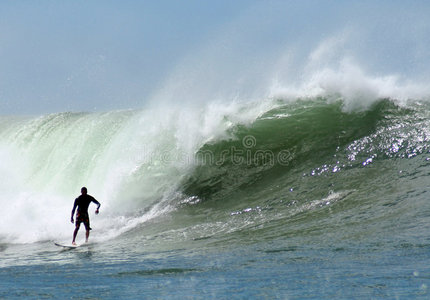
309 197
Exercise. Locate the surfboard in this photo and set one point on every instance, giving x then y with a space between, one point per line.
67 246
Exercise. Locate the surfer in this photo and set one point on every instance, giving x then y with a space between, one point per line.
82 203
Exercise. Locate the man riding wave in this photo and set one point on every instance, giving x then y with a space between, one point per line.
82 203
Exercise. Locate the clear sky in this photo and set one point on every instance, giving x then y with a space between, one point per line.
100 55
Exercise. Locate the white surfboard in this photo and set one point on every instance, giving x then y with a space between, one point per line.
67 246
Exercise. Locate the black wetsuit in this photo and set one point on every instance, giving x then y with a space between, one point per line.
82 203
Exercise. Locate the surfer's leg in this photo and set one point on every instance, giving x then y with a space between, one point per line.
75 233
87 228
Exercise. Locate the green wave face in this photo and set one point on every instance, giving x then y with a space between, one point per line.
288 139
298 159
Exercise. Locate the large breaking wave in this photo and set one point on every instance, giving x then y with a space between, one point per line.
243 156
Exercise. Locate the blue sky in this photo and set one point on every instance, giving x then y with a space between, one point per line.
96 55
100 55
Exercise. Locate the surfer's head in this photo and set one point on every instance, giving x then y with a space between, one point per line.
84 191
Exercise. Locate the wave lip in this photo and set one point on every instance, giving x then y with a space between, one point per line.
351 84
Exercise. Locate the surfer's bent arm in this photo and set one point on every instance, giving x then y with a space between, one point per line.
98 205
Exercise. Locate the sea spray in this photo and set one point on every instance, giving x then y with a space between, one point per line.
132 161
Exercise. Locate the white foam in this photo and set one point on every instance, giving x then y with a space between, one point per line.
130 162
